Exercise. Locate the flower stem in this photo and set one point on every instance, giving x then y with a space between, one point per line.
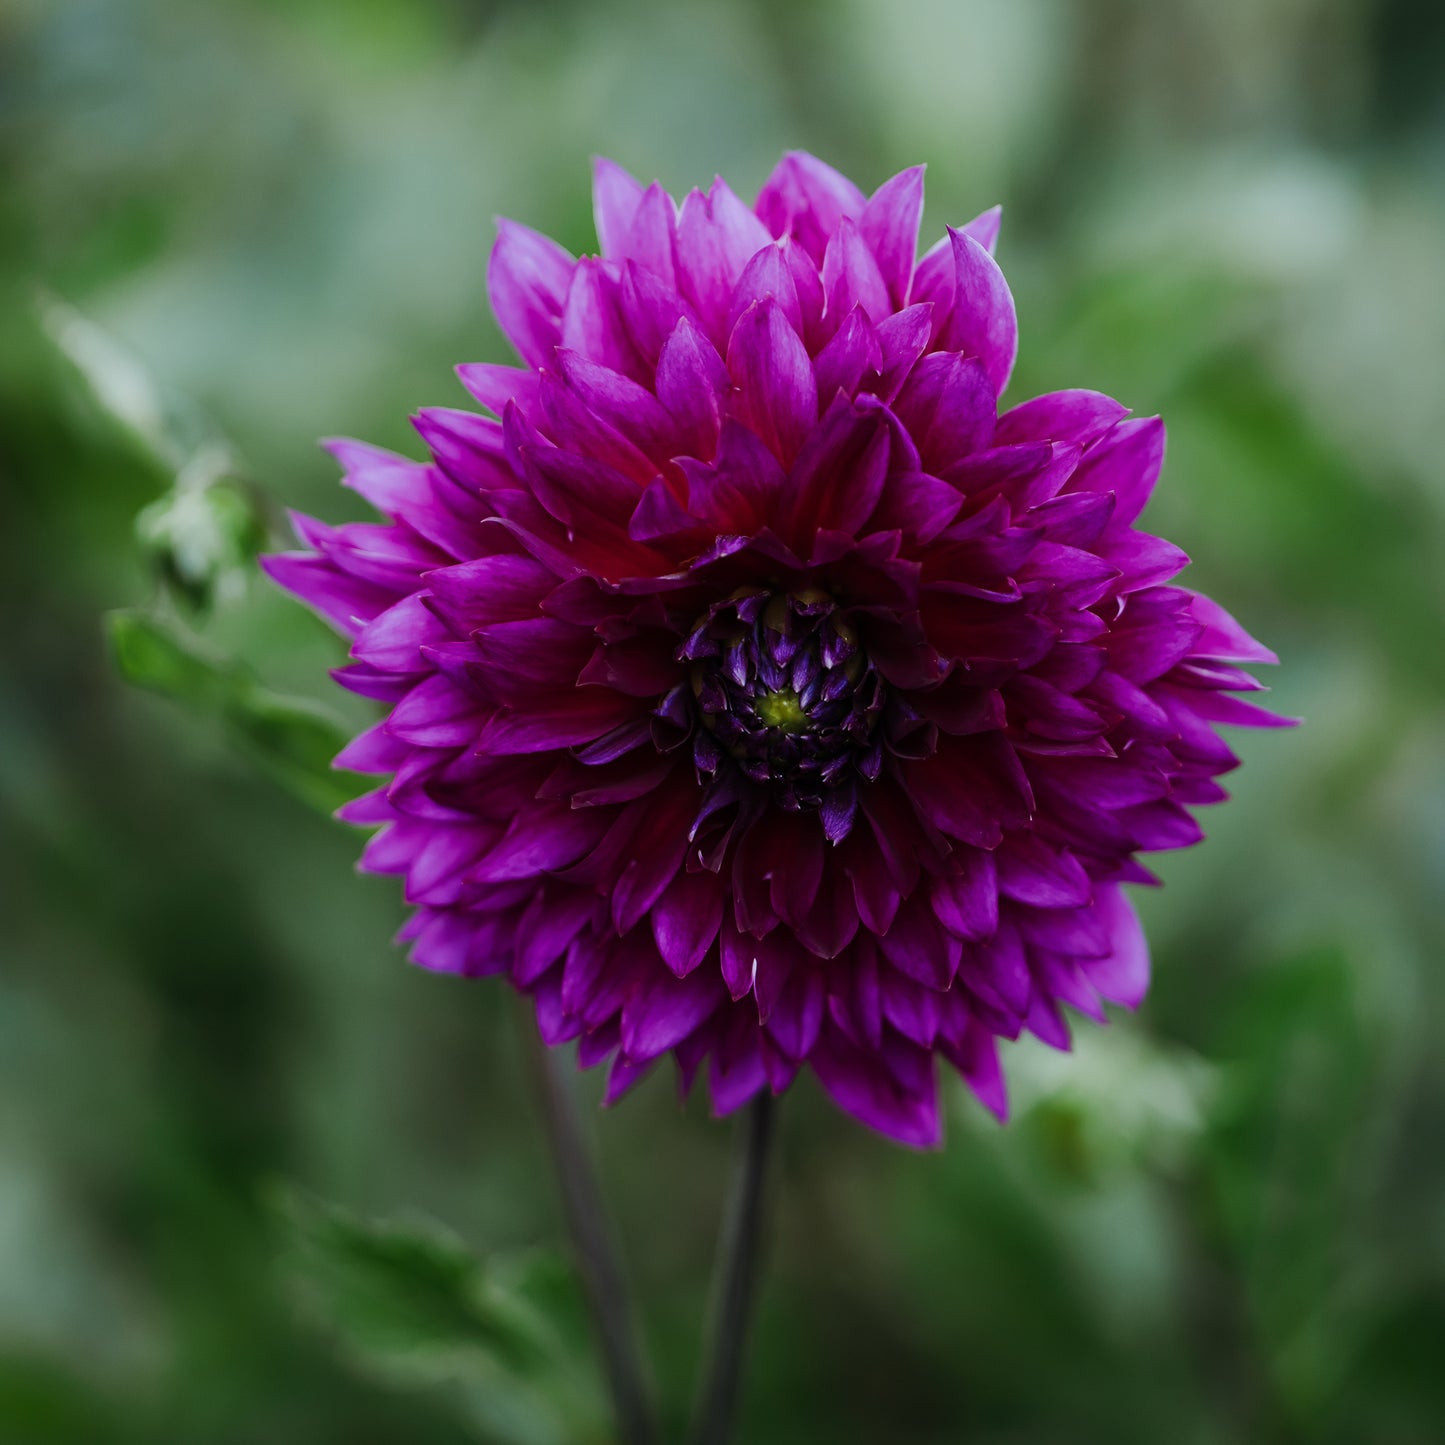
596 1254
734 1278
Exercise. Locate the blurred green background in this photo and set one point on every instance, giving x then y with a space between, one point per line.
1223 1221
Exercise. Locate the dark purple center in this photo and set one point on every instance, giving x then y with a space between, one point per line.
781 689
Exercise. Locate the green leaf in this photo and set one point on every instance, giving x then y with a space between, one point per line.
405 1301
290 739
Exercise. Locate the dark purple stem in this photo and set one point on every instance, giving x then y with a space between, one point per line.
735 1278
597 1258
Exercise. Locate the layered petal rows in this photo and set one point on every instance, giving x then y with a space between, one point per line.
756 692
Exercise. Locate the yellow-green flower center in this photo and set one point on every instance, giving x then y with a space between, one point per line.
782 710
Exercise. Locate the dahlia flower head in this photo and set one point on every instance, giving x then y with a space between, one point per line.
756 691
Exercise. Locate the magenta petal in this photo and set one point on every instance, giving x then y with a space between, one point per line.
806 199
1122 977
495 386
1070 416
504 588
576 490
1223 637
948 406
691 383
1126 462
997 969
790 856
889 225
619 401
738 954
594 323
859 1083
542 839
919 505
586 438
622 1078
874 894
831 923
1029 871
808 283
665 1011
966 902
343 601
851 277
852 355
919 948
733 1084
652 241
913 1010
615 195
976 1058
461 944
768 276
934 278
1142 560
370 810
983 323
797 1020
742 484
984 228
1219 707
656 851
554 1023
527 280
685 920
537 729
840 473
777 395
534 649
468 447
903 338
660 515
547 925
393 641
393 484
374 751
716 237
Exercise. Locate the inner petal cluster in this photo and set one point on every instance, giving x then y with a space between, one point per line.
783 692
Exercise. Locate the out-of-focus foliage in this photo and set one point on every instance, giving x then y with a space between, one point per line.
1222 1221
292 741
413 1305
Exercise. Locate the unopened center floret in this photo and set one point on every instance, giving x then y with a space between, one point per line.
782 688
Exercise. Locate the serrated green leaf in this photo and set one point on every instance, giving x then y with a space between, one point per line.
292 740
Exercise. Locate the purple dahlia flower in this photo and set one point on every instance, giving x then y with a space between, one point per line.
756 692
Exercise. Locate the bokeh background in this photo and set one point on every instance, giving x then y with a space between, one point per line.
1220 1221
